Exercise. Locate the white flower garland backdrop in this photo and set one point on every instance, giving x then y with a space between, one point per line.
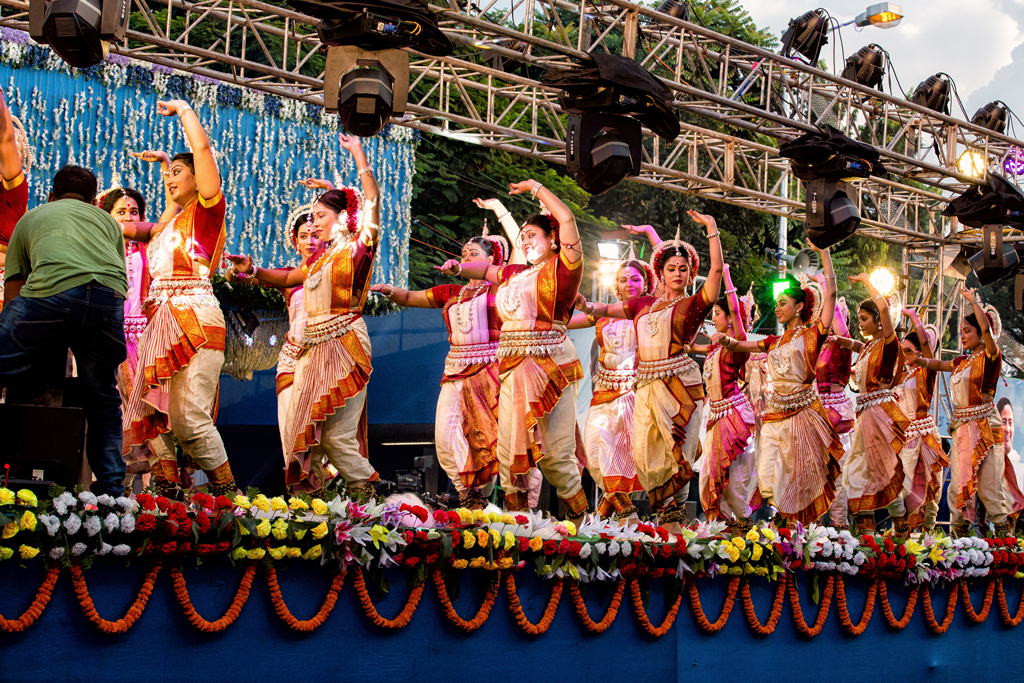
265 145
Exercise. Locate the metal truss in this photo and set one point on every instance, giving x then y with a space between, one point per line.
737 102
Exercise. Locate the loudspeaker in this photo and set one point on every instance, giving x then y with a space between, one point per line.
41 445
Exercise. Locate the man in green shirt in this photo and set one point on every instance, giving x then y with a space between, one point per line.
65 287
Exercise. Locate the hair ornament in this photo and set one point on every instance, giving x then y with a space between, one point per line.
115 184
994 321
678 247
499 244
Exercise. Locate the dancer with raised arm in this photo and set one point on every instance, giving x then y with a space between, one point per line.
728 463
977 460
873 471
799 460
15 158
182 349
922 456
334 366
608 436
833 371
670 389
304 238
538 366
466 428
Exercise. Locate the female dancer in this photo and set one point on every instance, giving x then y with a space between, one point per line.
466 429
799 460
728 464
873 471
922 456
182 349
608 436
833 374
538 366
670 390
977 460
334 367
305 239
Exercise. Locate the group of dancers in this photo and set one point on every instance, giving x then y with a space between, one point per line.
764 423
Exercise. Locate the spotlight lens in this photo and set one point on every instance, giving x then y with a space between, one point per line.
884 280
1014 163
608 250
972 163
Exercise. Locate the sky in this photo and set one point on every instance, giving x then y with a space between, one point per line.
979 43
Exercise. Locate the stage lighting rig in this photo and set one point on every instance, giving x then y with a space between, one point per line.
366 78
1001 203
806 34
675 8
933 93
825 160
991 116
79 31
608 97
866 66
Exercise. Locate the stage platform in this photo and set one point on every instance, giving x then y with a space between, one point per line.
162 644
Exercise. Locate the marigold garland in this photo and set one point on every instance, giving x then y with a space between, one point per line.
196 619
929 614
698 611
403 618
609 617
773 619
641 613
1004 611
134 612
844 612
528 627
908 611
449 609
286 615
965 599
42 599
798 612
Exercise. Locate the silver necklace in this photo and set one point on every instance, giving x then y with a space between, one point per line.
654 318
512 291
467 326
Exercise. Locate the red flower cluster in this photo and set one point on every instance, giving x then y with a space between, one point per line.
449 518
1007 557
420 512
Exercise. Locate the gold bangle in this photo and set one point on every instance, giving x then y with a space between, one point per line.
364 169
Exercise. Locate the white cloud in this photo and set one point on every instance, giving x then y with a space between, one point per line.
970 40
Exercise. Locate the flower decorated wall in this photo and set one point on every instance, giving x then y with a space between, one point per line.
265 145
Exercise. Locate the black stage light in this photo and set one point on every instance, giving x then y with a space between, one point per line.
806 34
866 66
79 31
365 88
1007 263
933 92
366 79
674 8
601 150
1000 203
991 116
831 215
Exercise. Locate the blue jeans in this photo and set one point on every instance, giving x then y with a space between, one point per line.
89 320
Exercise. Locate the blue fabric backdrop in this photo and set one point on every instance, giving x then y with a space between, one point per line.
265 144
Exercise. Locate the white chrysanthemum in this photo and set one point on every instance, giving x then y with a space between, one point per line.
72 524
87 497
111 522
57 553
92 525
121 550
127 524
78 548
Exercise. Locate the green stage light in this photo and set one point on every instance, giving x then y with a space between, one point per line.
778 287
